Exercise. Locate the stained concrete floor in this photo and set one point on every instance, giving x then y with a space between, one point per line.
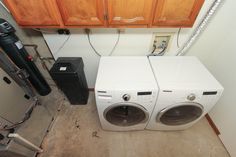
76 132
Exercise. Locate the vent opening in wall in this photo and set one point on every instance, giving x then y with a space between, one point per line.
27 96
7 80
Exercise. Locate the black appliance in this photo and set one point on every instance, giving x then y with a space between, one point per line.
68 73
15 50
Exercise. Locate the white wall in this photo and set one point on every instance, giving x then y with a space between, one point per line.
132 42
217 50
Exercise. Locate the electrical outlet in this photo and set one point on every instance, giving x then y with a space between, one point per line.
160 42
63 31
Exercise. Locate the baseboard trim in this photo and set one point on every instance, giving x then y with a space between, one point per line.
212 124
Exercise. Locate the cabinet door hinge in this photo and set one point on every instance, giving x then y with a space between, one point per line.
106 17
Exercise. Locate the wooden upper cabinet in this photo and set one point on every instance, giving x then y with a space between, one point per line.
104 13
176 13
129 12
82 12
34 12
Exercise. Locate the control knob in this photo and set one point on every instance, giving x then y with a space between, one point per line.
191 97
126 97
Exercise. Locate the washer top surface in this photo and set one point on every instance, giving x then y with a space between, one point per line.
182 72
125 73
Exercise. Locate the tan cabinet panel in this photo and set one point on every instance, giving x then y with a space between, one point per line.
104 13
174 13
130 12
34 12
82 12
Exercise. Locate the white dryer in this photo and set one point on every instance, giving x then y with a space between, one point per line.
126 93
187 91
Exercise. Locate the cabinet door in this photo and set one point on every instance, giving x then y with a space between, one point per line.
34 12
130 12
82 12
176 13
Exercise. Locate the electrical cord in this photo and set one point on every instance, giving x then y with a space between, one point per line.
117 41
62 45
27 116
97 53
154 49
178 37
42 31
161 53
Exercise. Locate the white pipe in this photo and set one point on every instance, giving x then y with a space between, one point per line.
202 25
25 142
3 5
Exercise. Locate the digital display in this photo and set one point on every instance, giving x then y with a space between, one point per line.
144 93
210 93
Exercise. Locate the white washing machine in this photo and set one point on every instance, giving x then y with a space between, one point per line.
187 91
126 93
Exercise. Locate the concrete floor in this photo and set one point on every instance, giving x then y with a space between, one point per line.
76 132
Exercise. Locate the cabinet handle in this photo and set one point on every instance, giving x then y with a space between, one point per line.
94 19
86 19
128 20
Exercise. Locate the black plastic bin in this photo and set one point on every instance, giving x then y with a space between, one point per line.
68 73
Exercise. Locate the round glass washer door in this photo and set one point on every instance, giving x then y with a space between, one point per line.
180 114
126 114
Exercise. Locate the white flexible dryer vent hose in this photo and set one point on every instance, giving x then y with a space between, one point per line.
200 27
